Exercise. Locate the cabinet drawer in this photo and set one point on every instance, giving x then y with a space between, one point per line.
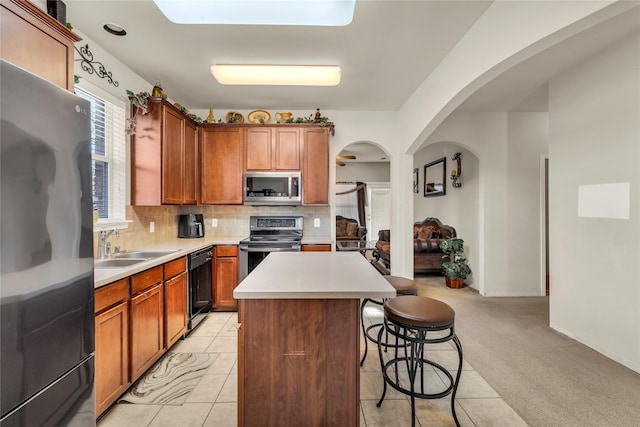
316 248
175 267
227 250
146 279
111 294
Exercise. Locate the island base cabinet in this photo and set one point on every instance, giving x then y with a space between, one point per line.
147 329
112 355
298 362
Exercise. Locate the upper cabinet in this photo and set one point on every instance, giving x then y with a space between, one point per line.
315 168
221 162
272 148
164 166
35 41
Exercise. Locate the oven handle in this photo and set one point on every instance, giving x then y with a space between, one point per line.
295 248
289 194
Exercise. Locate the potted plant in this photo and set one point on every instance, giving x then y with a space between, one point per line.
456 269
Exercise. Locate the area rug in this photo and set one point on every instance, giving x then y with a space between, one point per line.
169 381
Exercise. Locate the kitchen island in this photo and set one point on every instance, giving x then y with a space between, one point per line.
298 342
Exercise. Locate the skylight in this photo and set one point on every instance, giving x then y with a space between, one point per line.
259 12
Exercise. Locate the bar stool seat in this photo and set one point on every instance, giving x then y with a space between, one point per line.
403 286
418 321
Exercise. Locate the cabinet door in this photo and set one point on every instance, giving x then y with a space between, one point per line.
315 172
37 42
172 156
147 329
226 280
190 187
175 308
112 355
287 149
258 149
221 163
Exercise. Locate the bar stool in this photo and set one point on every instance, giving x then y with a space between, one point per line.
403 286
411 319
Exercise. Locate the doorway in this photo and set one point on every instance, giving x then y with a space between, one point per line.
379 209
544 225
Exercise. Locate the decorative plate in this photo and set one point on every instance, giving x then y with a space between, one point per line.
234 117
259 116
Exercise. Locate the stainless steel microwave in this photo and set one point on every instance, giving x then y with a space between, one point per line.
272 188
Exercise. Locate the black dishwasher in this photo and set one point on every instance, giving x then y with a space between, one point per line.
200 285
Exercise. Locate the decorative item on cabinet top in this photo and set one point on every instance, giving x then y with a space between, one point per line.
234 117
259 116
283 117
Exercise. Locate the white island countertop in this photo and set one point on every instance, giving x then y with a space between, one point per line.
314 275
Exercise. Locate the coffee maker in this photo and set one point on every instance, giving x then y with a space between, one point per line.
191 226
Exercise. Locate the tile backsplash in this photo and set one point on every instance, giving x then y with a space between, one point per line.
232 221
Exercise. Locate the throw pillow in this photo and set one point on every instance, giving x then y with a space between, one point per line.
341 228
425 232
435 234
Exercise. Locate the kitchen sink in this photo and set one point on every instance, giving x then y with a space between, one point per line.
144 254
117 263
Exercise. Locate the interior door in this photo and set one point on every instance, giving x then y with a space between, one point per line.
379 214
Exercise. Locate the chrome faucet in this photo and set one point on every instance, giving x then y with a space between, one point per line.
104 247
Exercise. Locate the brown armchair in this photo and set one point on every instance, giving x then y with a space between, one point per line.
427 236
349 229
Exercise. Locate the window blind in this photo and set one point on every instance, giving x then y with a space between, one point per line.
108 156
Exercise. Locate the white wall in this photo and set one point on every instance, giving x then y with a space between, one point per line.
364 172
459 206
497 210
594 118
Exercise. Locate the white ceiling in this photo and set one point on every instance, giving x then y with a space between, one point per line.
390 47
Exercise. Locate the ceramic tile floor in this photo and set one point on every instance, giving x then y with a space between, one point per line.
213 401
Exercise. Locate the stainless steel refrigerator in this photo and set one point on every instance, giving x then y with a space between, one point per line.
46 254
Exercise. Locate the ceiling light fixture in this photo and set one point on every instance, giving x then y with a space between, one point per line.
277 75
259 12
114 29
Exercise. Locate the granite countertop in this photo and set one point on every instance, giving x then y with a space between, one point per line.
314 275
183 247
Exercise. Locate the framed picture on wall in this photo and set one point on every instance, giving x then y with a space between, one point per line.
434 178
416 181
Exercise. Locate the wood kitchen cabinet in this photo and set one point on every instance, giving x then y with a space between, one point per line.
112 343
163 157
315 168
221 164
175 291
147 320
272 148
225 277
37 42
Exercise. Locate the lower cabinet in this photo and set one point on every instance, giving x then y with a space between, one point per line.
147 329
316 248
112 343
225 277
175 290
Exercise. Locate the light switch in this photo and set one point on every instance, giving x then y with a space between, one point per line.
316 222
214 222
152 226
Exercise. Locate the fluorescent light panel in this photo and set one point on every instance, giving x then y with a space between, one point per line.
279 75
259 12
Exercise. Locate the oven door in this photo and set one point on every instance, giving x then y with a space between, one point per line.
252 254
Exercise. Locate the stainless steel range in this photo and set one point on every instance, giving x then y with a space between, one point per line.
268 234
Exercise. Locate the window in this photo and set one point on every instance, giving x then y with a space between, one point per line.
108 156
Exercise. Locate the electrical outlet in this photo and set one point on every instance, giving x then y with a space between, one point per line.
214 222
316 222
152 226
